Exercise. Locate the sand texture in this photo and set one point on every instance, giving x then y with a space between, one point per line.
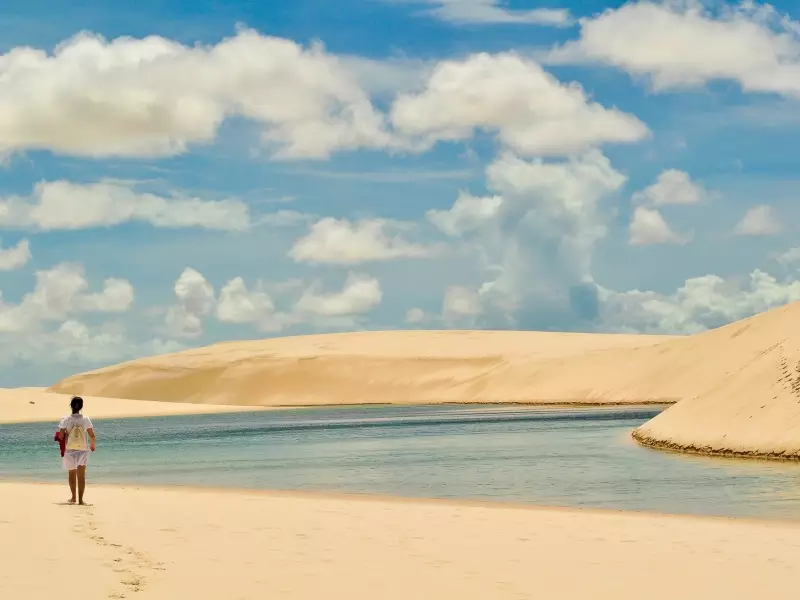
35 404
151 544
754 410
395 367
737 387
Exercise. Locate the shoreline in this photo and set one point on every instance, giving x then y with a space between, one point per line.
366 497
178 409
674 448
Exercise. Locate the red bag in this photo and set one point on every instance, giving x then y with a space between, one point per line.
62 442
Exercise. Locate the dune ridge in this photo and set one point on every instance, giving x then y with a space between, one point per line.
735 389
395 367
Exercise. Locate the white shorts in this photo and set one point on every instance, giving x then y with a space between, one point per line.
74 459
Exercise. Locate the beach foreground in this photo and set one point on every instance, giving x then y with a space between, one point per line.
163 544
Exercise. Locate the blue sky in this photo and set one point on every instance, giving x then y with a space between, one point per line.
179 173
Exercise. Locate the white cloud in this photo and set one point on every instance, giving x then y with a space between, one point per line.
75 342
339 241
759 220
648 227
414 316
195 300
684 44
671 187
360 294
237 304
60 292
15 257
492 12
530 110
467 214
536 242
701 303
154 97
459 303
790 257
62 205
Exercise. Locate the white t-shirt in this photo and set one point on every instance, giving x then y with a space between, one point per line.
77 427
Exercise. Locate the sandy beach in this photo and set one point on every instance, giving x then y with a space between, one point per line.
154 544
26 405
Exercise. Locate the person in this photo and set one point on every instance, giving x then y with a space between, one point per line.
77 432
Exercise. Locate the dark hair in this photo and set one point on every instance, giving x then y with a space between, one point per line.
76 403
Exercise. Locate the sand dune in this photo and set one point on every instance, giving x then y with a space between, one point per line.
371 367
155 544
753 408
738 387
36 404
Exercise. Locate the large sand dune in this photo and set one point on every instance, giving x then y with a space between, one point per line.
369 367
738 386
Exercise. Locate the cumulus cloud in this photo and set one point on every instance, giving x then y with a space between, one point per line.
492 12
75 342
759 220
468 213
340 241
415 316
195 300
536 244
701 303
15 257
300 303
671 187
790 257
61 292
749 43
153 97
360 294
62 205
239 305
460 302
531 112
648 228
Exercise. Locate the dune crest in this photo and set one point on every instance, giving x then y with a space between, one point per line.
396 367
737 388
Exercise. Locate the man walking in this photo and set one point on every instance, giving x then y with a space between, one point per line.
78 435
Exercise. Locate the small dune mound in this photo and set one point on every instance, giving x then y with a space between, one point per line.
754 410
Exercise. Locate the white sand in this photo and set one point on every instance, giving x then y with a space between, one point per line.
372 367
751 410
738 387
35 404
151 544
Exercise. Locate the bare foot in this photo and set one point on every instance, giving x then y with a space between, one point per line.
71 501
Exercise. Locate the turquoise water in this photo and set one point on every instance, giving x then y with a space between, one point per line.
554 457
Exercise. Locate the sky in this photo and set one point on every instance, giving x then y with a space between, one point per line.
179 173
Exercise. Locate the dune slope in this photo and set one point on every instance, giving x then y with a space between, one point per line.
353 368
754 410
737 387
